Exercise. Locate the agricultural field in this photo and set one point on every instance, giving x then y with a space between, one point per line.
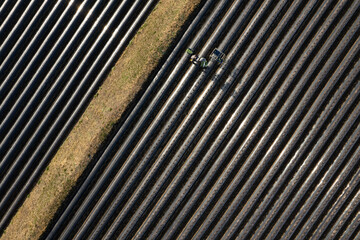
107 104
247 125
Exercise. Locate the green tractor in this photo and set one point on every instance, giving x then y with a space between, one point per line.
216 55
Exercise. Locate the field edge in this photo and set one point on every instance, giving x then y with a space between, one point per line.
105 109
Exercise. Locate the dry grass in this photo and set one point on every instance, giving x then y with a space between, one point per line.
125 80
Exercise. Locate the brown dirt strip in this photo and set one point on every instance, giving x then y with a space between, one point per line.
130 72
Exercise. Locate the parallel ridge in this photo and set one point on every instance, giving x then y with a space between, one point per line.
265 145
53 56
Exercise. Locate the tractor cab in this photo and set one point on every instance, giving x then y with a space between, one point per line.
197 60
